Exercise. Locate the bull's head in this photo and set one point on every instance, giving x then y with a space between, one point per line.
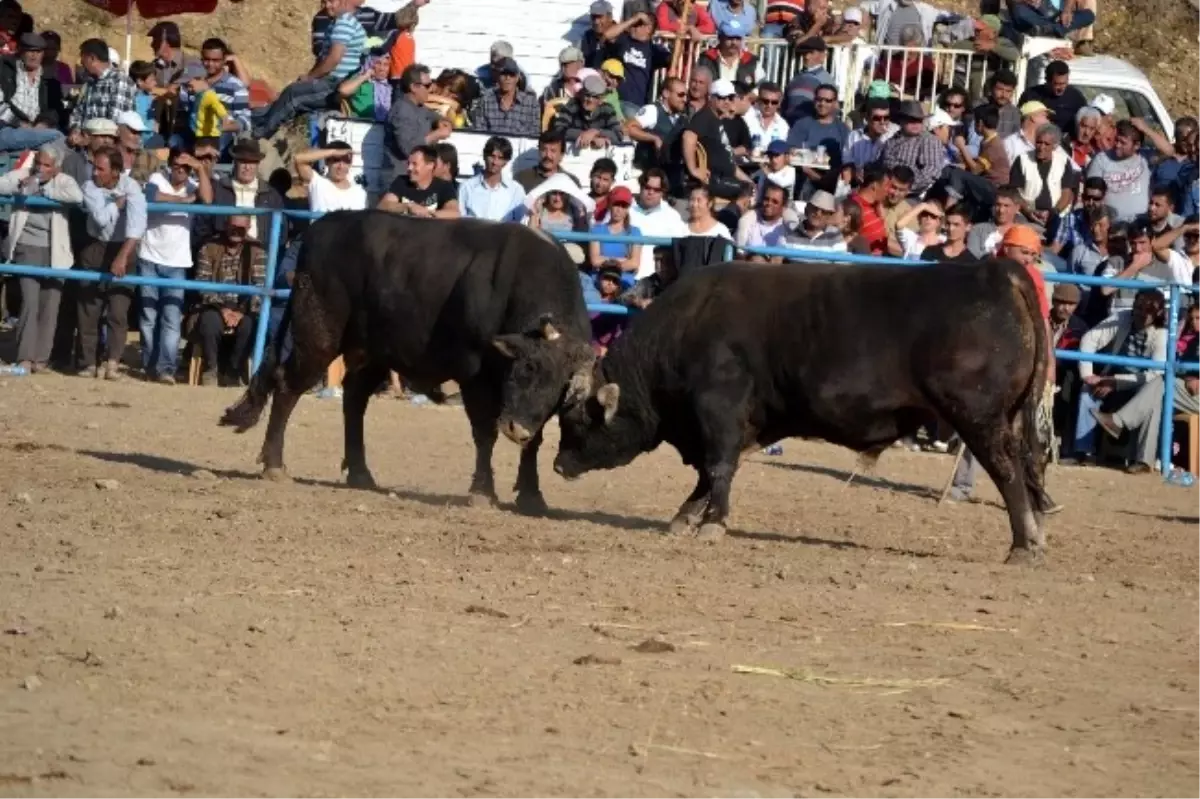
593 434
548 369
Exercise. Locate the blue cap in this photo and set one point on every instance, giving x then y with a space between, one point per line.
777 147
732 29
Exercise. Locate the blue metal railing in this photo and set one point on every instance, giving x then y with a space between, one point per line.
1170 367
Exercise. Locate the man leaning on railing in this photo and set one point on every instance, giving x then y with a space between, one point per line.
116 222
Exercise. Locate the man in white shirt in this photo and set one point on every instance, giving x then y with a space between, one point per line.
491 195
166 252
338 191
763 119
652 216
765 227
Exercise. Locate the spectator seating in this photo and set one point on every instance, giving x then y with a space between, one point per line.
459 34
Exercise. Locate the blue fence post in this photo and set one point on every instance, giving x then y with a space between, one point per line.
264 308
1167 430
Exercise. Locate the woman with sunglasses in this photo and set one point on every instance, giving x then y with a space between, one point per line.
910 245
336 191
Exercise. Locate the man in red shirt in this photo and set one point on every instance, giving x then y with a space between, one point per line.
868 196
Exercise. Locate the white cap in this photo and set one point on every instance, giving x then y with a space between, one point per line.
99 126
939 119
132 120
852 15
114 57
722 88
1104 104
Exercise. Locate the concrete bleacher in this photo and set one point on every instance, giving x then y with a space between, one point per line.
459 33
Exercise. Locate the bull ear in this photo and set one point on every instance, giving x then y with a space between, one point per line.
608 396
580 386
508 346
547 329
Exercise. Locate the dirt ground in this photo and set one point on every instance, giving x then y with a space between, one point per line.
212 633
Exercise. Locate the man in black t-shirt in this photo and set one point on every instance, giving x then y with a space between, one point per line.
419 193
629 41
954 248
707 129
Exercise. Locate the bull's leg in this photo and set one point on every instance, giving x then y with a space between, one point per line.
692 509
998 451
482 405
722 428
529 493
297 376
357 387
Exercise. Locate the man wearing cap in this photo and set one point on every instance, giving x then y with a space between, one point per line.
242 189
613 73
798 96
629 41
593 45
777 169
816 229
991 49
1034 114
341 56
27 91
915 147
171 65
586 120
706 129
730 60
130 127
500 53
566 82
504 109
491 194
108 92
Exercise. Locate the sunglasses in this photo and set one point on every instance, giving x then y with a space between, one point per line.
339 160
824 99
880 118
1094 197
766 101
657 189
954 105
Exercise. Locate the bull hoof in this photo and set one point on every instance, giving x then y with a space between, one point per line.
532 504
681 525
276 474
1026 556
480 500
711 532
360 479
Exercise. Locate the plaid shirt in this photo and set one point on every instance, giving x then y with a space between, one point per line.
923 154
246 265
104 98
1072 230
524 118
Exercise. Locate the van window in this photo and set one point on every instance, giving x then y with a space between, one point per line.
1128 103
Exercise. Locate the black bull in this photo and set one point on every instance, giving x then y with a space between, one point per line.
737 356
495 307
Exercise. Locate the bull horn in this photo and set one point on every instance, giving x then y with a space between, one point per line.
581 385
549 332
608 396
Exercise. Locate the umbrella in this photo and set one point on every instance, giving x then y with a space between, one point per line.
151 9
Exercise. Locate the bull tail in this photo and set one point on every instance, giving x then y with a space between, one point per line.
1033 450
246 412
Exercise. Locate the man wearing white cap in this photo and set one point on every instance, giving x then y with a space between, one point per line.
567 81
1034 114
706 129
108 92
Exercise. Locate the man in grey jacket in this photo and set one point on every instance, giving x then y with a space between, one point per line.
409 123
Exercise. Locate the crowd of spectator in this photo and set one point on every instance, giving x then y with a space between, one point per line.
1051 179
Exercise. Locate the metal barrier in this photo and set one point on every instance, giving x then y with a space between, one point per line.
1169 368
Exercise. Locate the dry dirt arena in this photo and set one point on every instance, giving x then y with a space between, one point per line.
212 633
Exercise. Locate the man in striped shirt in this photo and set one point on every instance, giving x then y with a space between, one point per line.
229 89
341 56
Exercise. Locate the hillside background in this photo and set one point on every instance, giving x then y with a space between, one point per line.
272 37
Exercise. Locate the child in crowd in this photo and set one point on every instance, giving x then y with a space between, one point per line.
606 327
142 74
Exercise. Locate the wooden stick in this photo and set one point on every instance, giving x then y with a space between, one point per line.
681 38
962 447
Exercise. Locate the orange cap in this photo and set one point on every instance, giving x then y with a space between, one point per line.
1023 236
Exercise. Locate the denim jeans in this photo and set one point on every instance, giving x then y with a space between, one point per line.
1045 20
162 312
13 139
295 99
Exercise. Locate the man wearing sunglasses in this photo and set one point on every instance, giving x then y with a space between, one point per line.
763 119
1073 228
657 125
